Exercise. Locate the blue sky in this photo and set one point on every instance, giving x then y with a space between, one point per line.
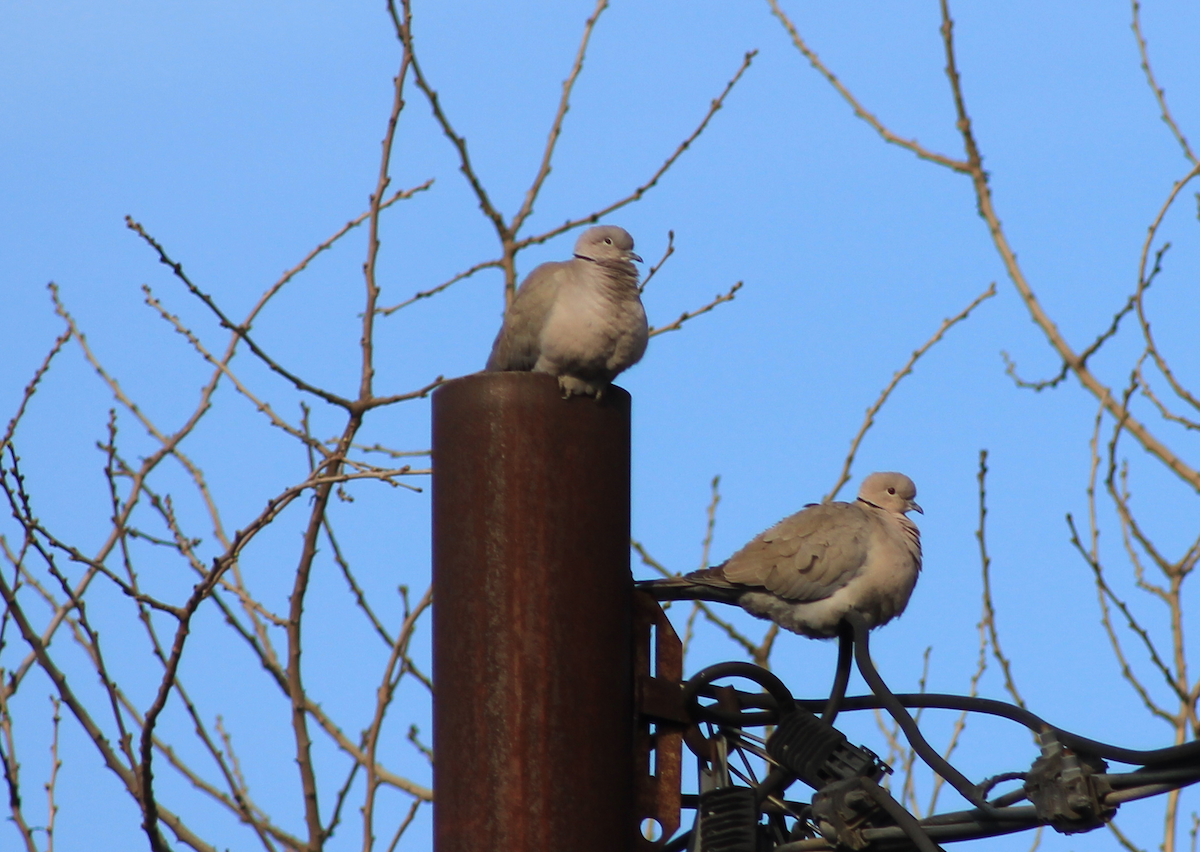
241 135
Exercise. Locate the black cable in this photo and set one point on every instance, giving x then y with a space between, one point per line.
1117 780
941 701
777 779
862 652
842 677
966 825
701 683
1187 753
986 785
1129 794
906 821
1163 769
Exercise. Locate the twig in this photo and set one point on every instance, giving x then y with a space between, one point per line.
1122 838
1159 94
223 367
414 737
403 28
1177 679
404 824
711 522
705 549
31 388
294 679
564 104
507 231
336 817
636 195
419 393
359 597
762 653
384 695
1145 280
22 511
240 331
12 771
1132 530
908 792
279 676
399 195
52 781
239 803
1011 368
235 764
989 610
1167 414
1104 593
689 627
367 343
670 250
859 110
960 724
687 315
869 420
433 291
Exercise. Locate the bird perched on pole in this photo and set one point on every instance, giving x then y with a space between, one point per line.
580 320
806 572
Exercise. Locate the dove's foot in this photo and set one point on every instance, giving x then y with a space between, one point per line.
572 386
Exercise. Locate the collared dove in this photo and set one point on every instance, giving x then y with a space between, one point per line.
809 569
580 320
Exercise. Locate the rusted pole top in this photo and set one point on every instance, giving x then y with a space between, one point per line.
533 711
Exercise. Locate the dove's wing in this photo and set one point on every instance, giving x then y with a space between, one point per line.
517 344
808 556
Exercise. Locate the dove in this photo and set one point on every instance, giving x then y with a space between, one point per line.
806 572
580 320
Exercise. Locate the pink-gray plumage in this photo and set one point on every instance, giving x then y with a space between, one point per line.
580 320
809 569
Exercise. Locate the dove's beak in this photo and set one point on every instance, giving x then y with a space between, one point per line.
913 507
632 256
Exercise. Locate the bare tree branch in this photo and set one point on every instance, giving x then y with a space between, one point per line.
564 104
670 250
687 315
869 420
989 610
636 195
859 110
1159 94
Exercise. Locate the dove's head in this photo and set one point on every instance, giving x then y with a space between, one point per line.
894 492
606 242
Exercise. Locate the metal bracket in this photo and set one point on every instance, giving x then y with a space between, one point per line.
661 718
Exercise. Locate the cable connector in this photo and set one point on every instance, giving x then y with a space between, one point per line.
728 820
1063 788
819 754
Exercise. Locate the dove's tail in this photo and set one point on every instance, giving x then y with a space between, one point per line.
707 585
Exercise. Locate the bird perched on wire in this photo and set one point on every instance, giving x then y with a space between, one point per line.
809 569
580 320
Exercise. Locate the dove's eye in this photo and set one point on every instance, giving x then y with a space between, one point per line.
891 491
608 241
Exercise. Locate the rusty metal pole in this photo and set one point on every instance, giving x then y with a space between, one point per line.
533 711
